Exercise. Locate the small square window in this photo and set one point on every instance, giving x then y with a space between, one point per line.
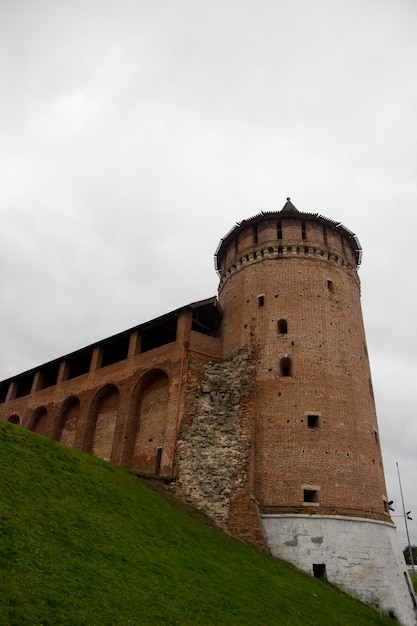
311 495
319 571
313 421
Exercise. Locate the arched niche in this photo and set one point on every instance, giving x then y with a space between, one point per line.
67 421
38 421
148 422
102 422
14 419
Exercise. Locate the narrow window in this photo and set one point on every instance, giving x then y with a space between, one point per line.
261 301
303 230
330 285
325 235
255 234
376 437
282 327
311 496
313 421
285 366
158 461
319 571
279 229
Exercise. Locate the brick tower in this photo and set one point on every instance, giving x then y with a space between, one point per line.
290 296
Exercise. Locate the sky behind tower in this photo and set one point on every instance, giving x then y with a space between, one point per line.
134 134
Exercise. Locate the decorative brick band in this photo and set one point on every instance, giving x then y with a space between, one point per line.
277 252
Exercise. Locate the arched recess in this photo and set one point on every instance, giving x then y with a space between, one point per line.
14 419
38 421
148 421
102 422
67 422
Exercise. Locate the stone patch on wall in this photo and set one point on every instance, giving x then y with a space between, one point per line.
209 447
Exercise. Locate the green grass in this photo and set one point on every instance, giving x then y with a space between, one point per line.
86 542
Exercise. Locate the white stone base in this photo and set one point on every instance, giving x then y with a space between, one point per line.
360 556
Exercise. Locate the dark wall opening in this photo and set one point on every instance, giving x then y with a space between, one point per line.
115 350
3 392
24 385
79 364
159 335
319 571
49 376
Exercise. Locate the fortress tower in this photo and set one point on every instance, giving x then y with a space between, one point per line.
256 405
290 296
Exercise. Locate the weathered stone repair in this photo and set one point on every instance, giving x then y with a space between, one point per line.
209 446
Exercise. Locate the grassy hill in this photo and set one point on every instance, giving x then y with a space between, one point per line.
86 542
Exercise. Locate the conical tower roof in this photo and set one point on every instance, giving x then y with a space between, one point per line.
289 207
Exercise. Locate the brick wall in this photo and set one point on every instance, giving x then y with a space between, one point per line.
310 283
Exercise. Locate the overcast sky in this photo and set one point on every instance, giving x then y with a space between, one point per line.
135 133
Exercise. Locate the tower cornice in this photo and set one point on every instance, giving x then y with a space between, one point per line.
288 212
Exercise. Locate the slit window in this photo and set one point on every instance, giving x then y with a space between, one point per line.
303 230
158 461
282 327
279 229
255 234
285 366
330 285
313 421
261 301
